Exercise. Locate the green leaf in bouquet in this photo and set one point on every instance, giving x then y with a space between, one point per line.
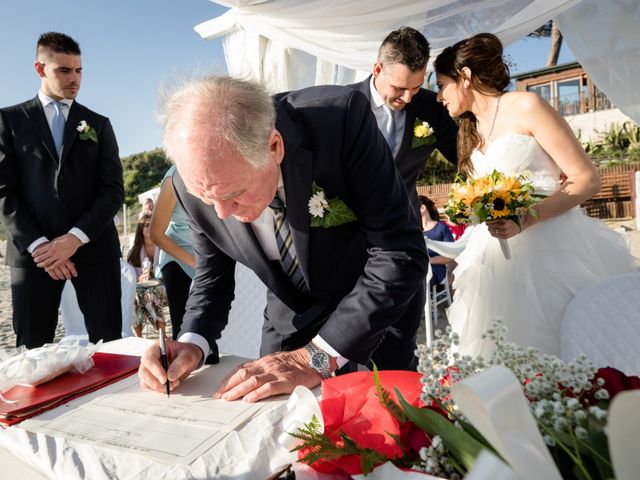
467 427
321 447
463 446
386 400
598 446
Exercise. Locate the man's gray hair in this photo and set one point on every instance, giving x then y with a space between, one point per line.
239 112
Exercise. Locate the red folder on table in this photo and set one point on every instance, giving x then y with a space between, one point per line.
30 401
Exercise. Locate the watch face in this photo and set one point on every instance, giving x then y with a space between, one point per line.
320 360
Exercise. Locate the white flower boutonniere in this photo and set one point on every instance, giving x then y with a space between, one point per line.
328 213
87 132
423 134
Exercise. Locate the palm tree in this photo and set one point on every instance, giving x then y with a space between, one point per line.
550 29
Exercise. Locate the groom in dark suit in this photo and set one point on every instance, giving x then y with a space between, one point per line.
60 187
398 101
358 257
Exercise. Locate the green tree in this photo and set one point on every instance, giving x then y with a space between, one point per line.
436 170
142 172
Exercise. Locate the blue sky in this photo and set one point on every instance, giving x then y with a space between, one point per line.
129 48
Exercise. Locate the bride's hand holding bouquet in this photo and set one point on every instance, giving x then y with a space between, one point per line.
497 199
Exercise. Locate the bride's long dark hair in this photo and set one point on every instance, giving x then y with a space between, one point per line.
482 54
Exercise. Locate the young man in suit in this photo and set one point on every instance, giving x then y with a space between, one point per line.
60 188
398 100
360 258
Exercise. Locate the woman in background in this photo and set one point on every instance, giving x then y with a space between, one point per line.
150 295
434 229
169 230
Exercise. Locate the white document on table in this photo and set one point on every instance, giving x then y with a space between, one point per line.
177 429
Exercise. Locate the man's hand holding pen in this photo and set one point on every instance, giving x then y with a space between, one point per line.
182 359
163 358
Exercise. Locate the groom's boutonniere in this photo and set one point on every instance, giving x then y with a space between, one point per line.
328 212
423 134
87 132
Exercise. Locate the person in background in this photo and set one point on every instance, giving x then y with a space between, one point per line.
434 229
457 230
147 206
398 101
60 189
150 295
556 251
261 179
169 230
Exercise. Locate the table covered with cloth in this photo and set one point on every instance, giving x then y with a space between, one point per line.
253 452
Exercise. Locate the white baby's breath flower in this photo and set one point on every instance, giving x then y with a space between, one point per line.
82 126
598 412
318 204
581 433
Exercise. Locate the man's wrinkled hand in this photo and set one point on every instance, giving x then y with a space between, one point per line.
51 255
66 271
274 374
183 358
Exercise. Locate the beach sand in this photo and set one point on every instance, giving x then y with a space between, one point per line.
8 339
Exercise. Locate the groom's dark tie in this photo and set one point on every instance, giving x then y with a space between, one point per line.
288 257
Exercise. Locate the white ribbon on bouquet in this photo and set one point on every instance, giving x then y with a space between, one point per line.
493 402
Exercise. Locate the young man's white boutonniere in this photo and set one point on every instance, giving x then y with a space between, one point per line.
87 132
423 134
328 212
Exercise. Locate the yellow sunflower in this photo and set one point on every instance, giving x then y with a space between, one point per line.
500 202
509 184
482 186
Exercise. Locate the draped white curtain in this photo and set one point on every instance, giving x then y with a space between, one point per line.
290 44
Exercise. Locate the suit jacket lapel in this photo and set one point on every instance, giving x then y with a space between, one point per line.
35 113
407 137
297 176
70 128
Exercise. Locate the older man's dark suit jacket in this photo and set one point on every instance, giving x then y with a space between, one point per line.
409 161
362 275
41 195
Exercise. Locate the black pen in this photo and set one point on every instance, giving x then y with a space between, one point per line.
163 357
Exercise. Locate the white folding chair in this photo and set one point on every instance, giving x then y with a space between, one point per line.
428 322
243 334
603 322
440 294
73 319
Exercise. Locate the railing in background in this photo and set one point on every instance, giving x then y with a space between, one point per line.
616 200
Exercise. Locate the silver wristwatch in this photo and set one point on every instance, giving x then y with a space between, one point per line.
319 360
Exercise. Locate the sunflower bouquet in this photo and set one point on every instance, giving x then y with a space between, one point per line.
492 197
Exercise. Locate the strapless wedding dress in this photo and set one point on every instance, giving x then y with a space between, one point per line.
550 261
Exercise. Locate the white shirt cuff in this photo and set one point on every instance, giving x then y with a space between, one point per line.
80 234
36 243
320 343
199 340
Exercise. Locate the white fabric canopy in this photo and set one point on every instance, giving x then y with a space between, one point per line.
290 44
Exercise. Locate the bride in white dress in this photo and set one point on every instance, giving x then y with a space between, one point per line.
554 255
